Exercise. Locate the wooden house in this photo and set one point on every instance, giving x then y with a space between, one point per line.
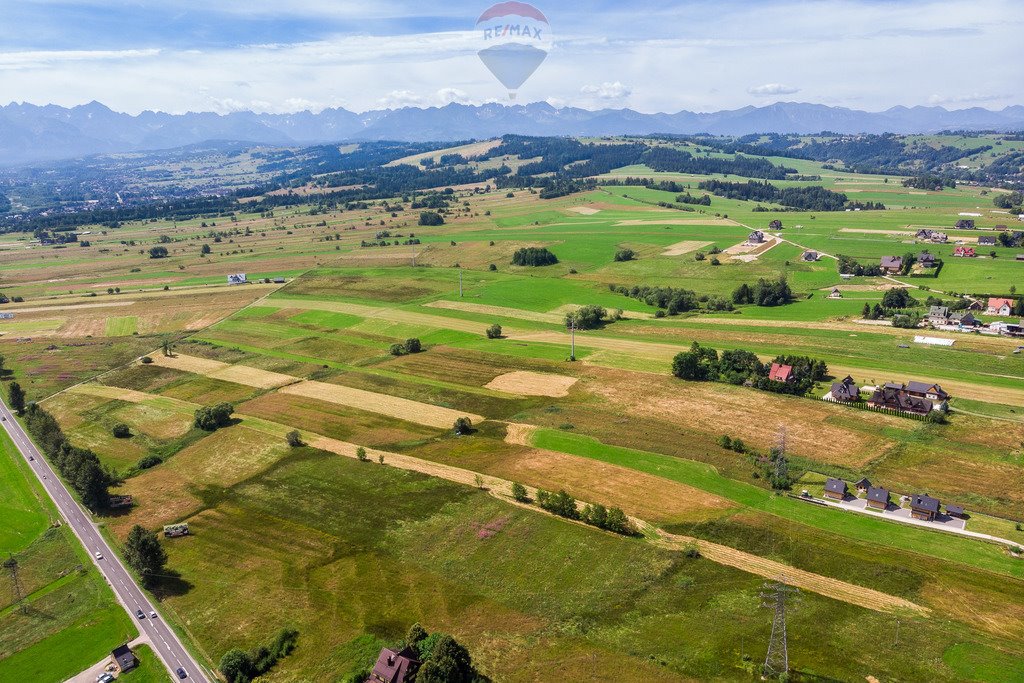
835 489
878 498
923 506
780 373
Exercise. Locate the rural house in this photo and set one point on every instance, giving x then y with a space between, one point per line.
775 225
394 667
756 237
896 398
964 252
810 255
932 392
986 241
997 306
927 260
878 498
780 373
835 489
892 264
845 391
835 294
931 235
955 511
923 506
938 315
964 319
965 224
125 658
863 485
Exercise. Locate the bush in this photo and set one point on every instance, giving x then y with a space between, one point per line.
361 454
699 256
625 255
519 493
492 267
121 431
431 218
146 360
533 256
412 345
211 418
587 317
158 252
463 425
715 261
148 461
494 331
396 350
239 666
293 438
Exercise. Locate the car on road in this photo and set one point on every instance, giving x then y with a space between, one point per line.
104 678
99 555
152 615
31 458
140 614
181 673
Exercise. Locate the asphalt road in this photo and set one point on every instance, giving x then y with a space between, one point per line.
165 641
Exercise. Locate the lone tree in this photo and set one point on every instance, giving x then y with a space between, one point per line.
463 425
413 345
144 553
625 255
158 252
121 431
431 218
494 331
16 396
519 492
293 438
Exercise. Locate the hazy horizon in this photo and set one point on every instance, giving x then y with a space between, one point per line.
694 56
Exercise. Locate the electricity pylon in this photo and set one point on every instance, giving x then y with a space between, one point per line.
775 597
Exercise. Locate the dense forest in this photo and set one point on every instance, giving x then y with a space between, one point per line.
5 203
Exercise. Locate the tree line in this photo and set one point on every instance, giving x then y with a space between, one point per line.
79 467
813 198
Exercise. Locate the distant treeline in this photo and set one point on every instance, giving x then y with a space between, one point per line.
5 203
814 198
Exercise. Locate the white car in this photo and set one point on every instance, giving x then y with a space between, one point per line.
99 555
104 678
152 615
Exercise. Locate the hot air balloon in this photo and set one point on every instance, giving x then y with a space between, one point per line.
516 37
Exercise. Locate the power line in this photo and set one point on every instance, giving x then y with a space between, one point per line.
775 597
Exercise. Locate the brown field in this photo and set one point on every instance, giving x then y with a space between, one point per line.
392 406
103 391
170 492
156 421
751 415
684 247
503 311
584 210
528 383
239 374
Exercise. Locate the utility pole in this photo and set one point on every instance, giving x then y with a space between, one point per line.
11 565
781 463
460 282
572 338
775 596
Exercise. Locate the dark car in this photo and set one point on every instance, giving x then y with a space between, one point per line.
140 614
181 673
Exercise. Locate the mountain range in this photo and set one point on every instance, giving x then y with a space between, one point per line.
31 133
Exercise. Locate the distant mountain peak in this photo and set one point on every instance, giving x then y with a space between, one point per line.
31 133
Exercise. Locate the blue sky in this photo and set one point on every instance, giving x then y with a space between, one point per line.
225 55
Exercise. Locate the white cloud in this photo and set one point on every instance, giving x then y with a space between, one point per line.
397 99
607 91
450 95
975 98
772 89
54 58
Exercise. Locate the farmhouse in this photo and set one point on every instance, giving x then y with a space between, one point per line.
938 315
926 260
987 241
964 319
775 225
125 658
394 667
835 489
810 256
780 373
965 224
756 237
894 397
932 235
923 506
863 485
997 306
964 252
878 498
932 392
844 391
892 264
835 294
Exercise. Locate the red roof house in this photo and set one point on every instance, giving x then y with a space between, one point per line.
780 373
966 252
997 306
